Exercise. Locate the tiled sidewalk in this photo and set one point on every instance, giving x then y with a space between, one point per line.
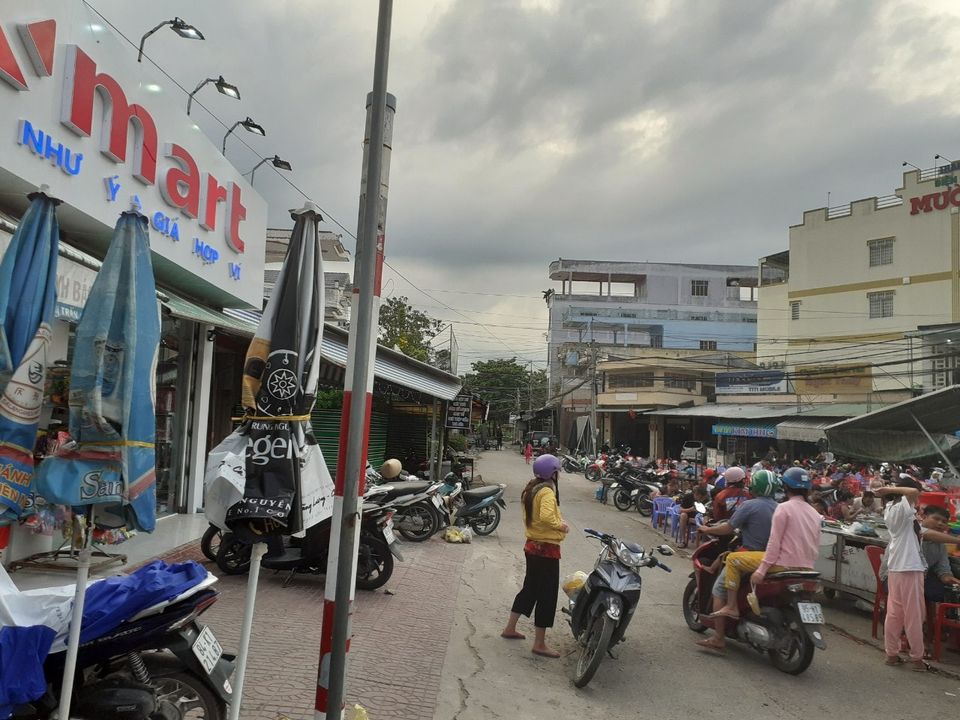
399 640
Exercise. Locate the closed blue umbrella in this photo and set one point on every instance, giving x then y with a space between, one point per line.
112 461
28 281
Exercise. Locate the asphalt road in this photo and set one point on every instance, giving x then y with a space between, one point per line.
658 671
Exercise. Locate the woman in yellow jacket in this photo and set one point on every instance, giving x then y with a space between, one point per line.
545 531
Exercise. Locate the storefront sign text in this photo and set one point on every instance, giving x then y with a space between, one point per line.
935 201
45 147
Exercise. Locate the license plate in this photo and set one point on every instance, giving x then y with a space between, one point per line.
207 649
437 501
634 493
614 486
810 613
388 533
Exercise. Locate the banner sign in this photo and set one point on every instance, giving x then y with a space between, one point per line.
750 382
754 431
458 412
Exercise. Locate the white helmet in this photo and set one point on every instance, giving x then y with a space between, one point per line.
391 469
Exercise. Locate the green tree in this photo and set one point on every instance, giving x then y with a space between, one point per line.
507 385
410 330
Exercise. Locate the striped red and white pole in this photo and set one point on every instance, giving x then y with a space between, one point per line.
358 388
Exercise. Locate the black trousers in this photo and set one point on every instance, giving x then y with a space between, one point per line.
540 587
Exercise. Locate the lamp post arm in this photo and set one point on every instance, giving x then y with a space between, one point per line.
233 127
148 34
255 168
195 91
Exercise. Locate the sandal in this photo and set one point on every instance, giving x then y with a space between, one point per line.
921 666
894 660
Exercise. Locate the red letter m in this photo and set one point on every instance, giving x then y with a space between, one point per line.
79 84
919 204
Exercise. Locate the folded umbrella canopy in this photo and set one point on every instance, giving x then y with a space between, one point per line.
111 461
287 487
28 281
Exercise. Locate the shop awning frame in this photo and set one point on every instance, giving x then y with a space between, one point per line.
915 429
803 429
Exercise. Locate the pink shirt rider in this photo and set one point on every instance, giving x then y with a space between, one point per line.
794 536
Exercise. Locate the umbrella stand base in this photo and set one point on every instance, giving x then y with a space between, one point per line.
64 558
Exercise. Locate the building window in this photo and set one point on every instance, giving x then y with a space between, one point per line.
629 380
680 383
656 341
699 317
699 288
881 304
881 252
795 310
708 344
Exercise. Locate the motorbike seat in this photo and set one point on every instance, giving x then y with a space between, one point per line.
400 489
482 492
793 574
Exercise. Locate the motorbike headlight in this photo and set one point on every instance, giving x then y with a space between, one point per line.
628 557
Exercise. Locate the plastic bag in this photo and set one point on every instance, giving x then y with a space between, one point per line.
225 477
573 582
357 712
458 535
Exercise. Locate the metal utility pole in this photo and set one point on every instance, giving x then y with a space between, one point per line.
594 430
358 386
530 387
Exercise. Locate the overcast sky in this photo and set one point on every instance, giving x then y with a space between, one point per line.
529 130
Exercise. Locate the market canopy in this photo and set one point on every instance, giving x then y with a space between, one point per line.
925 427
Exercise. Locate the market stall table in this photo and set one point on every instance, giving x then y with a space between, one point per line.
843 562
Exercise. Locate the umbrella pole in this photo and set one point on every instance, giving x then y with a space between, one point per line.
256 554
935 446
76 621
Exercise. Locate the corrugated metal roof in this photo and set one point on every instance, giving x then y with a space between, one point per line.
389 365
759 410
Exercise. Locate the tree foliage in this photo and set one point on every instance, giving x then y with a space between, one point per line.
508 385
409 330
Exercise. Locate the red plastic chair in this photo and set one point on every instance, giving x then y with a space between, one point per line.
875 553
940 622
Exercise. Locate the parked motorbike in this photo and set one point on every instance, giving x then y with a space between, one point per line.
594 472
575 463
479 509
789 625
632 491
375 551
602 608
158 664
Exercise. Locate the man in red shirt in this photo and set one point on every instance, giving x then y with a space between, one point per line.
732 495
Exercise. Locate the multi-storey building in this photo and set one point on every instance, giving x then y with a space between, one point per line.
626 310
859 309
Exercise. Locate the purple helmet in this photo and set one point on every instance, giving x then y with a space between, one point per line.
546 467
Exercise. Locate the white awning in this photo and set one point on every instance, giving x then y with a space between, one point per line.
803 429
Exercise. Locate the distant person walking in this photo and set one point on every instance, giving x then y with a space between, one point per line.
528 451
545 530
499 438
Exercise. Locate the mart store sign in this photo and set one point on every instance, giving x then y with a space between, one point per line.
102 131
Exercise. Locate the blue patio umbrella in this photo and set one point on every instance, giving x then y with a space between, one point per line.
112 461
28 281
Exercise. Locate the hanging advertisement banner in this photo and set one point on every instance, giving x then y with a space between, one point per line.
458 412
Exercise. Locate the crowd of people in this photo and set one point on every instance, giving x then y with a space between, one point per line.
916 568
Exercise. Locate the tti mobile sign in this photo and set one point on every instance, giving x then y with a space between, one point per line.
79 114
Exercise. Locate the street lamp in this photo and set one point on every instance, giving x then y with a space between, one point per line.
943 157
278 163
905 164
181 28
249 125
223 86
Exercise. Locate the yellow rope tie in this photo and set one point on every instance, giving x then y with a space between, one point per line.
117 443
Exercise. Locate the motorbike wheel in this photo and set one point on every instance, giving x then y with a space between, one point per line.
374 564
622 499
417 522
595 645
644 505
569 467
210 542
184 695
486 521
797 652
233 557
592 474
691 607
